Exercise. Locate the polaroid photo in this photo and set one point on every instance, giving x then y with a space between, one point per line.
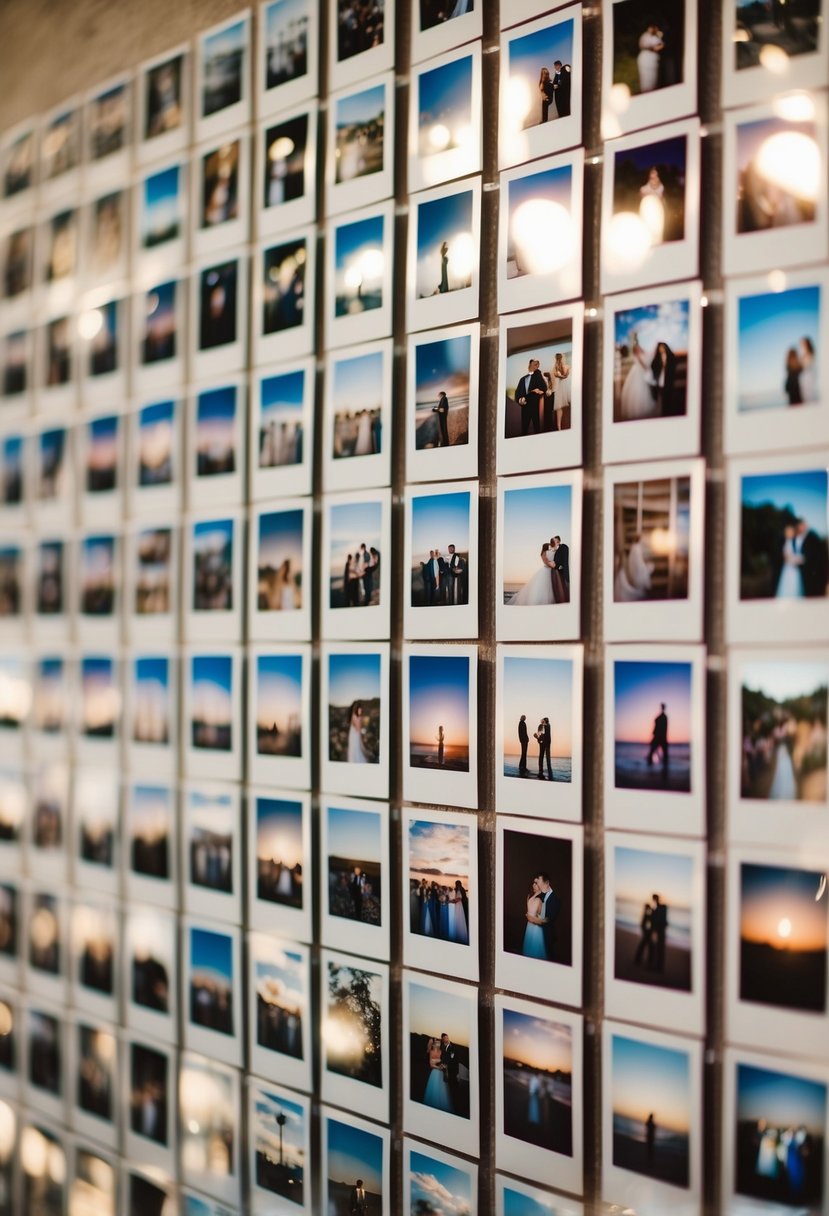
442 377
443 590
650 67
654 761
430 1177
150 978
211 850
360 41
533 569
151 582
15 698
160 337
280 730
279 1135
147 1190
15 813
93 1079
151 712
279 570
279 1029
61 150
443 258
16 372
287 65
51 704
440 905
358 276
46 946
355 1162
538 1103
655 931
148 1104
652 1120
284 278
17 260
103 347
99 707
59 248
440 1061
96 824
94 1178
94 939
652 373
777 333
213 575
164 104
774 194
279 865
108 130
538 924
355 909
440 724
360 162
161 218
212 987
286 169
14 474
45 1063
15 585
212 723
56 367
155 457
47 834
11 899
210 1129
777 766
223 76
358 416
282 430
98 586
762 56
445 118
99 450
514 1198
355 718
150 845
541 88
216 429
653 544
106 236
18 163
436 28
539 233
47 1140
776 949
220 176
218 311
650 206
354 1034
540 404
356 533
777 560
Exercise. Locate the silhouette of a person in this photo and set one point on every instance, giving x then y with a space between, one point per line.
440 746
659 920
650 1137
659 739
523 739
644 951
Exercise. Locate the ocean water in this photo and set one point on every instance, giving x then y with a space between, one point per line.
634 1129
629 914
631 760
430 751
562 766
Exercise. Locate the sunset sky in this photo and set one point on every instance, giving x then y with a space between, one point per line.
531 517
279 830
539 1042
353 524
353 833
150 810
439 696
441 847
649 1079
778 906
538 688
278 689
640 689
639 873
212 680
434 1012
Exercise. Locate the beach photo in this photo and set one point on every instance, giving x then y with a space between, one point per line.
216 432
537 1078
162 207
357 391
439 712
354 555
783 535
211 980
440 549
779 1136
354 1161
279 561
149 813
440 395
537 718
359 266
223 67
537 908
353 1034
354 707
538 557
355 862
156 444
359 133
285 169
159 321
651 1095
152 699
652 718
280 1135
211 702
539 235
100 698
278 706
440 857
783 716
212 548
219 202
440 1027
651 539
653 937
280 432
783 937
437 1184
280 851
281 982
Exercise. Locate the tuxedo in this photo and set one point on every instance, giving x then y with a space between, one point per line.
561 561
815 568
442 411
532 387
457 570
666 391
561 91
428 580
523 739
544 744
550 908
449 1058
358 1204
356 888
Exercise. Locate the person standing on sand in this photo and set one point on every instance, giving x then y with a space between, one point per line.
442 411
650 1137
440 746
659 921
523 739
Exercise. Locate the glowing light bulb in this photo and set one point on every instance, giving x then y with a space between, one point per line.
791 160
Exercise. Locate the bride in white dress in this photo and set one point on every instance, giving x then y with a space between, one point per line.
637 399
363 445
633 578
436 1093
533 946
539 590
561 379
356 749
647 61
790 583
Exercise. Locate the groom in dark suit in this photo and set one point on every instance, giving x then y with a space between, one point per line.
358 1203
561 561
523 739
815 568
550 908
545 741
449 1060
529 393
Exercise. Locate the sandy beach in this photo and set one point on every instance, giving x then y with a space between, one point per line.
677 972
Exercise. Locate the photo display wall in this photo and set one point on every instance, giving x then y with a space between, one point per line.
414 655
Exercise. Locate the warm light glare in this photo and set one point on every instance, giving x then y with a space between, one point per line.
777 280
652 215
439 137
543 236
464 255
620 98
33 1152
628 241
6 1021
791 161
795 107
662 542
611 127
90 324
517 103
281 148
7 1130
774 59
784 928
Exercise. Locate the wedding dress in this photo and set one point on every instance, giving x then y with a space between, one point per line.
286 599
790 583
784 786
436 1093
363 445
459 931
637 398
425 918
356 751
808 383
533 946
534 1105
537 592
647 62
284 885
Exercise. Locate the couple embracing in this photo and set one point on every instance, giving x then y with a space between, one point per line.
543 907
550 584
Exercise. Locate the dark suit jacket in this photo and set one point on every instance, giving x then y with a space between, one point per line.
815 566
449 1058
550 910
561 84
668 388
356 1206
561 561
536 381
546 734
523 733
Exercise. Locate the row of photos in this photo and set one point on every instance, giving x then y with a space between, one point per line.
127 325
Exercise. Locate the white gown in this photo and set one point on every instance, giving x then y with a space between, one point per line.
647 62
808 383
284 885
458 931
436 1093
533 946
286 599
363 445
784 786
790 583
356 753
537 592
563 394
637 398
633 578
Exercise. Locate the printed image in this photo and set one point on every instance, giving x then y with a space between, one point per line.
439 1040
285 35
538 1081
151 951
109 223
360 26
650 360
355 1166
100 699
540 233
108 116
19 174
442 387
777 359
96 1081
783 937
216 432
161 213
446 251
354 865
15 692
769 193
759 31
537 546
96 818
352 1023
651 539
160 327
165 107
357 394
354 579
58 353
279 1133
784 710
220 185
780 1136
437 1188
61 144
279 705
539 402
154 573
149 1096
45 1069
281 419
13 807
207 1115
652 725
223 61
540 74
538 897
211 713
15 363
286 145
213 565
283 286
360 120
18 263
538 691
648 44
359 266
45 948
11 581
63 233
439 880
210 840
12 471
145 1198
9 920
279 851
354 708
654 906
436 12
155 444
281 1000
651 1110
102 454
211 980
783 537
649 182
440 525
444 114
279 558
149 830
50 807
439 712
218 305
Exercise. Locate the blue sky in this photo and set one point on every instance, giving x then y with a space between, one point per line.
217 404
279 821
783 1099
769 324
161 192
354 1153
353 677
353 524
285 967
152 671
95 667
803 492
640 872
516 1203
280 537
435 1012
103 429
212 952
354 833
528 55
278 688
538 687
652 1077
51 442
50 669
281 396
225 41
654 323
213 669
441 219
439 362
439 695
445 94
13 449
782 680
752 135
268 1105
440 520
212 533
551 185
361 107
640 688
531 517
660 152
159 411
350 240
161 300
281 14
432 1180
358 382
